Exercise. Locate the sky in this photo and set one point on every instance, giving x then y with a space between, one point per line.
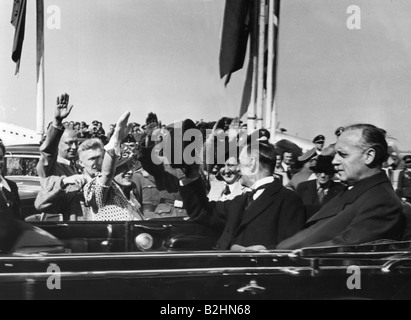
162 56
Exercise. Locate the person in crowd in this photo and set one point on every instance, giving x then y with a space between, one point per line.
226 184
368 209
319 143
136 132
260 218
305 165
279 170
76 127
286 164
83 132
404 180
9 195
59 149
100 130
315 193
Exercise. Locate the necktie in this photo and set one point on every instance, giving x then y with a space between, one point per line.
321 194
227 190
74 167
250 198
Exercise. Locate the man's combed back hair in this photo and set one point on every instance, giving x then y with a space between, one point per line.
90 144
374 138
267 155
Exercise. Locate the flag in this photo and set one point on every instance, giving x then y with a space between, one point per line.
234 37
247 90
18 20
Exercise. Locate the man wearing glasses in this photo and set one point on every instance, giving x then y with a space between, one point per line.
59 150
57 165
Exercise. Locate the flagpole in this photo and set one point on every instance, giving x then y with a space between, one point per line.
40 68
251 114
260 81
275 15
270 66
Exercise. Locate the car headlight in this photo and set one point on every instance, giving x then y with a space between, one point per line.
144 241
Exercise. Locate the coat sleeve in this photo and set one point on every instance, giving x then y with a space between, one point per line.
200 209
382 220
49 152
292 218
51 198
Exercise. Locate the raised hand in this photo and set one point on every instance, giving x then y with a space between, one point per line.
122 129
62 108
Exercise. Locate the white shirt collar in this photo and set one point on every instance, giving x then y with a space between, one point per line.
62 160
4 184
262 182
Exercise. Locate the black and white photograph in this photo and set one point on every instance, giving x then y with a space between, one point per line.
205 154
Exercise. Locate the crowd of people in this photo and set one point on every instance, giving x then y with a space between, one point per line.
258 194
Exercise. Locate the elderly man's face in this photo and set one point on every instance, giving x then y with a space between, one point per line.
91 160
350 158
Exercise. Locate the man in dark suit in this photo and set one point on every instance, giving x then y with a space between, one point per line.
315 193
368 210
255 220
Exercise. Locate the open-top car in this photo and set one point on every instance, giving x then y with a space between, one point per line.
174 259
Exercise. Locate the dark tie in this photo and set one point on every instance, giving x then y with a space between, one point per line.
227 190
73 166
249 198
321 194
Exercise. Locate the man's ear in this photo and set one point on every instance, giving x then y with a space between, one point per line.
254 165
370 156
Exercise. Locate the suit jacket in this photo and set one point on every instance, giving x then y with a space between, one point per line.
11 203
369 211
272 217
48 164
308 192
303 175
55 200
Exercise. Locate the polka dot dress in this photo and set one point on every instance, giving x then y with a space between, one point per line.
108 203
